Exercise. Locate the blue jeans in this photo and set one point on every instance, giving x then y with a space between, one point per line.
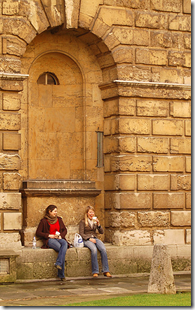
61 246
94 261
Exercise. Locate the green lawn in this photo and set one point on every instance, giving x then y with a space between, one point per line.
143 300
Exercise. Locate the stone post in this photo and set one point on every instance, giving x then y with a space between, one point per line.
161 279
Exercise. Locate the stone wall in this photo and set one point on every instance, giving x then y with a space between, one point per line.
134 65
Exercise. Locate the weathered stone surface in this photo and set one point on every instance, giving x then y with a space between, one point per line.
10 241
181 218
180 109
187 6
9 121
35 13
154 218
12 221
169 164
13 46
168 127
167 39
10 8
132 237
119 182
141 49
161 279
182 59
181 23
123 54
150 57
11 142
130 163
11 102
20 27
153 145
135 201
9 162
181 146
169 236
166 6
10 201
169 201
54 11
151 20
188 164
188 200
152 108
180 182
119 144
137 4
188 128
120 219
121 106
188 236
116 16
130 36
11 181
153 182
134 126
72 13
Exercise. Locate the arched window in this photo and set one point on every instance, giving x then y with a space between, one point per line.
48 78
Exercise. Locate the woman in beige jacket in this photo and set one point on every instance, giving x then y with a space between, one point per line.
87 230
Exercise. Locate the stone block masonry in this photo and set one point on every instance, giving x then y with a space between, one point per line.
123 69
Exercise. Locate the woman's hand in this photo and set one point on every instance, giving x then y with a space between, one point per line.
98 222
55 237
52 236
92 240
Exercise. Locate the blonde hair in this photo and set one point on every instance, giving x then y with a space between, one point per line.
86 214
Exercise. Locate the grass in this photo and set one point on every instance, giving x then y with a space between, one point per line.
142 300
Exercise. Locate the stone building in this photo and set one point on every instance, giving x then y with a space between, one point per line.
95 109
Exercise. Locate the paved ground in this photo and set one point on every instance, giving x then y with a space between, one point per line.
55 293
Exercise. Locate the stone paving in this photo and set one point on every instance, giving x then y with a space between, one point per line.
56 293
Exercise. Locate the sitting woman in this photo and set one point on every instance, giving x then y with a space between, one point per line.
87 230
53 231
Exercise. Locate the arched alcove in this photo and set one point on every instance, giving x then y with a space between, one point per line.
56 122
60 124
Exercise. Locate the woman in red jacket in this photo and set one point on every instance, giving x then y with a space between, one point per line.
53 231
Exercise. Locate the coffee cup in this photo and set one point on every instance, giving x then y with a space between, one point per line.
94 219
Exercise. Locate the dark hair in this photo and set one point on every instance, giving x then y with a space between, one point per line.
50 208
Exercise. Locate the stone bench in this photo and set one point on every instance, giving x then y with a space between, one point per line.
8 266
32 264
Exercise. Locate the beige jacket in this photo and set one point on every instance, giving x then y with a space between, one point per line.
87 232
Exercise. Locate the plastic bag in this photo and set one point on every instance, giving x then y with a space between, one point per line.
78 241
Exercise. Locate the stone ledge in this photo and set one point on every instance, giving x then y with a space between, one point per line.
59 188
39 263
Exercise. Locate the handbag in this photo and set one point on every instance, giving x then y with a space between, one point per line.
78 241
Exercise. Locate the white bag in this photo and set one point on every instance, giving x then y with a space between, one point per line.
78 241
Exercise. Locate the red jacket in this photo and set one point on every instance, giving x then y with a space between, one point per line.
43 231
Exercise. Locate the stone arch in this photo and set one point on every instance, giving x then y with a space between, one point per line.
53 52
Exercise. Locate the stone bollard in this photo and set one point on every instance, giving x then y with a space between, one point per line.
161 279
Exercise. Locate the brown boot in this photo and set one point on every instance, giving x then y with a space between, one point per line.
107 274
95 275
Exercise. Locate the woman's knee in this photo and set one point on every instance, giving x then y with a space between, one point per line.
94 250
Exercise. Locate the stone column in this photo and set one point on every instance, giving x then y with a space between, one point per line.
161 279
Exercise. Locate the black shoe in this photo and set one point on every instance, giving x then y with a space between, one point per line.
62 279
58 266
